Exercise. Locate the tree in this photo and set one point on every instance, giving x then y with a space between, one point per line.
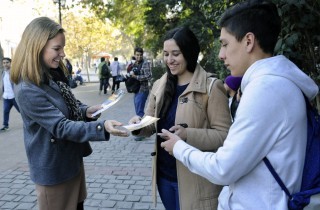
299 39
300 35
200 16
126 16
85 34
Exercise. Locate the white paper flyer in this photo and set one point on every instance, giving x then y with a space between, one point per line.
114 98
147 120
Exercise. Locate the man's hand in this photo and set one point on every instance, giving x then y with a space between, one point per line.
171 140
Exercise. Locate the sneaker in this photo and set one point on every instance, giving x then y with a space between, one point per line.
138 138
5 128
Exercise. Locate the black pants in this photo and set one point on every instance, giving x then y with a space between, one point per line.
80 206
114 83
104 83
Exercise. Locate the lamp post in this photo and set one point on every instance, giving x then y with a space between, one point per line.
61 3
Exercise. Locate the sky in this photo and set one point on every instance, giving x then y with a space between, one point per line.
15 15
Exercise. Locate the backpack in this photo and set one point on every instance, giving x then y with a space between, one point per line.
309 195
105 70
132 85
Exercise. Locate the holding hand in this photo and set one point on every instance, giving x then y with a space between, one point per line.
93 109
180 131
109 125
171 140
135 120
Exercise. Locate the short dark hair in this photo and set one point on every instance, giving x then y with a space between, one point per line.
138 49
188 44
257 16
6 58
115 58
102 59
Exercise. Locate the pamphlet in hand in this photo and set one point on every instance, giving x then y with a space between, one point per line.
147 120
114 98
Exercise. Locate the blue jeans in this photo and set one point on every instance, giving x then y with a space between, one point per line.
79 78
7 105
140 99
169 193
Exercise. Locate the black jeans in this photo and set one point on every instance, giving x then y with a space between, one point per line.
114 83
104 83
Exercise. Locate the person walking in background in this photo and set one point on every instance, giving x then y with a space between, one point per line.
57 126
7 93
115 71
104 75
271 118
185 88
232 86
142 72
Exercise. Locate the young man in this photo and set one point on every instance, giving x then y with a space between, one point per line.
8 94
104 79
270 122
142 72
115 71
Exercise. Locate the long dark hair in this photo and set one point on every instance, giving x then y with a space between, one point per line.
190 49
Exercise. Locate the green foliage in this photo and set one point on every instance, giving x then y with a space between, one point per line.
200 16
300 35
127 16
146 21
157 72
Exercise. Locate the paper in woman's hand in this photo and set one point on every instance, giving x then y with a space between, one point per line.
147 120
114 98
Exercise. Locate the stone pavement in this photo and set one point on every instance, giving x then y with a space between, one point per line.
118 172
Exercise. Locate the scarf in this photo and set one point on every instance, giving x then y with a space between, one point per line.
73 105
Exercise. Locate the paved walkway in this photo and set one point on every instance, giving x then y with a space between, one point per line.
118 172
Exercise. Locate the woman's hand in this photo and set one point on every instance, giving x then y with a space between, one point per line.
179 131
93 109
109 125
135 120
171 140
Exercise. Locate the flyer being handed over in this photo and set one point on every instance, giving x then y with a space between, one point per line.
147 120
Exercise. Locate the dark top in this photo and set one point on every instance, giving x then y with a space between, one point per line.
166 162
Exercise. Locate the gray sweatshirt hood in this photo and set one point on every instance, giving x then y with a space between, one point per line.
282 67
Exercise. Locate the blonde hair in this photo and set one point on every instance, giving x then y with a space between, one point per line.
28 64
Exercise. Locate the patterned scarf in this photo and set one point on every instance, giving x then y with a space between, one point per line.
72 103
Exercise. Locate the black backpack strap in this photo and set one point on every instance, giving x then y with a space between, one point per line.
276 176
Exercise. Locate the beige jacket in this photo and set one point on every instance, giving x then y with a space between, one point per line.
208 120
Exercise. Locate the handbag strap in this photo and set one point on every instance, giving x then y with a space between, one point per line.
276 176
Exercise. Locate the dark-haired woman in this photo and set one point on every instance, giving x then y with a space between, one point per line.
194 106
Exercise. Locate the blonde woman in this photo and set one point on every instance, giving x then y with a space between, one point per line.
57 127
